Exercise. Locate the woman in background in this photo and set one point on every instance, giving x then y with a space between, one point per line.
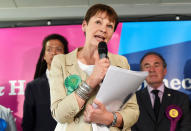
36 114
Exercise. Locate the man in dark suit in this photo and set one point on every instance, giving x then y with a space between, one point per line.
160 106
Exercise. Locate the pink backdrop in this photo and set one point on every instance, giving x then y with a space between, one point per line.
19 50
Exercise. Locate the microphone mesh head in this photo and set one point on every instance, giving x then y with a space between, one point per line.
102 48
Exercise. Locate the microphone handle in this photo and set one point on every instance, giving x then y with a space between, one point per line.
102 55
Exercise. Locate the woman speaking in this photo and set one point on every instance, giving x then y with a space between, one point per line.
75 79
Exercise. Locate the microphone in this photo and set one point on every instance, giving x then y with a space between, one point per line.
102 50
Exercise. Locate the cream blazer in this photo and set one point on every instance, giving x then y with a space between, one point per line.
65 108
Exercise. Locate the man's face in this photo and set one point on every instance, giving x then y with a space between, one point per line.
154 65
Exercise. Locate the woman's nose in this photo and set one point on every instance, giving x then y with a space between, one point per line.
103 28
54 52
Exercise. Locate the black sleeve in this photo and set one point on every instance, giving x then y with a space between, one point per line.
28 110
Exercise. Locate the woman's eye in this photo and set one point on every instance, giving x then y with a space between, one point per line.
59 50
110 26
49 50
98 22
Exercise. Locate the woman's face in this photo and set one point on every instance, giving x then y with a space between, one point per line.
98 29
53 47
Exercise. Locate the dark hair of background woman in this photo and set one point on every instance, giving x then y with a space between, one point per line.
41 64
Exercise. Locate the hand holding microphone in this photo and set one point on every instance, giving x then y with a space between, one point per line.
101 66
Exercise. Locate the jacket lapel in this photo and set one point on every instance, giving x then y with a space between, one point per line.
46 82
166 100
147 103
72 66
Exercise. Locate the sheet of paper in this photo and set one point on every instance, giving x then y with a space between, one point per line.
117 85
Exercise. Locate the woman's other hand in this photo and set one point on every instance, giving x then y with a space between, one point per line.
98 115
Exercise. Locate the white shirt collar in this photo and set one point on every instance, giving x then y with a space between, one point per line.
47 74
160 88
87 68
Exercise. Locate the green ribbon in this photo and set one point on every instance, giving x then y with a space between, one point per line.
71 83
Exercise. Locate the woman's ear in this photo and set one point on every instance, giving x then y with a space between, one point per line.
84 24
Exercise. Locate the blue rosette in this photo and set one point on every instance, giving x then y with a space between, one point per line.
3 125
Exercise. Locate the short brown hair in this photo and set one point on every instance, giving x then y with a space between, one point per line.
93 10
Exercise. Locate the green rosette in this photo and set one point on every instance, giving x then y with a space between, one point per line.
71 83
